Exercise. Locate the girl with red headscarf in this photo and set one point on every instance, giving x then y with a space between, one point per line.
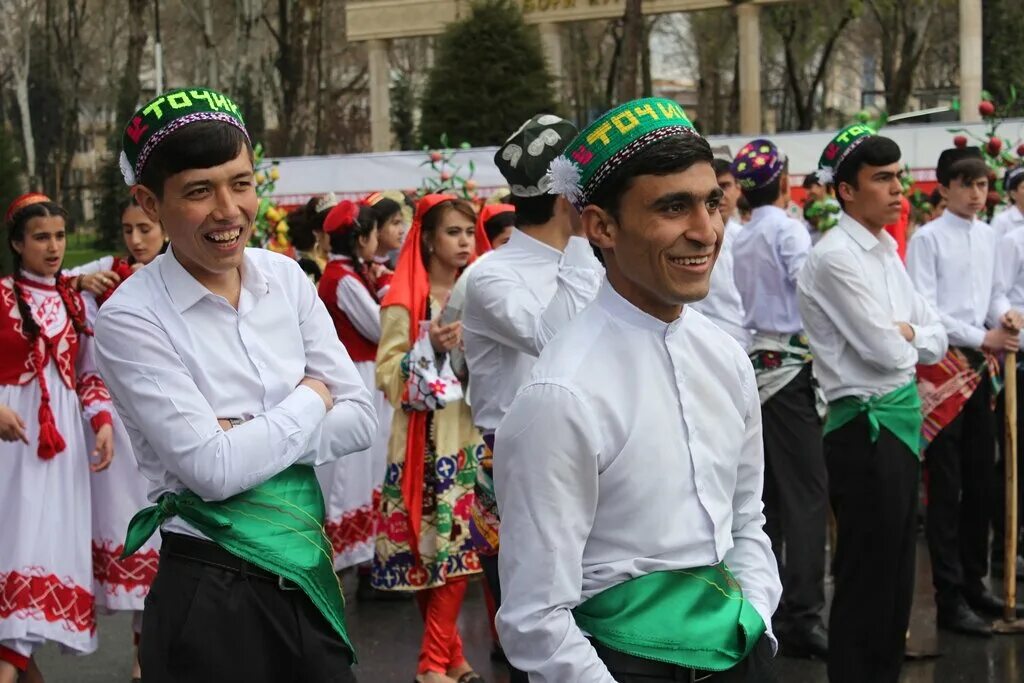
424 543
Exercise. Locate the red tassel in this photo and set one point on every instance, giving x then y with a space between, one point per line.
50 441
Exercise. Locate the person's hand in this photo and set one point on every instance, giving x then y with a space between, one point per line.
1012 320
906 330
98 283
444 338
321 389
1000 339
12 427
104 451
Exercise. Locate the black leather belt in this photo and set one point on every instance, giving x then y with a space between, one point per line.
198 550
623 664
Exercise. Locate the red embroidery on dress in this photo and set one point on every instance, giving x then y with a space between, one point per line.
44 597
356 527
92 390
134 573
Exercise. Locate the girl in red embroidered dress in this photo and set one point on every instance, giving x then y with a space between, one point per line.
121 491
48 382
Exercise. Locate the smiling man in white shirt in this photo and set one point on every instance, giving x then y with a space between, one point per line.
230 379
629 482
518 299
868 329
952 262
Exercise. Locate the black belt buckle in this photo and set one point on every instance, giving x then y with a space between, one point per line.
286 585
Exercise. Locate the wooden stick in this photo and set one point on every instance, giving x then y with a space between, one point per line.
1010 459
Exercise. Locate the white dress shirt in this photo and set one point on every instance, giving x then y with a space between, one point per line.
177 357
1007 220
952 262
723 303
357 303
767 256
516 301
1010 268
635 447
853 289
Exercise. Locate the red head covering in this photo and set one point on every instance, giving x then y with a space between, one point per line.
410 289
342 217
490 211
21 202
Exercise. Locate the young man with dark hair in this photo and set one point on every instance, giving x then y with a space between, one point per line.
630 465
868 329
723 303
816 189
770 252
1012 217
952 261
518 299
232 384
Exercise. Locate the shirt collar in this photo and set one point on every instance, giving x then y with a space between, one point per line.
770 212
953 219
185 291
864 237
33 279
1015 214
622 310
534 246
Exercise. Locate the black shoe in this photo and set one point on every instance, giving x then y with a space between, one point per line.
809 643
961 619
987 604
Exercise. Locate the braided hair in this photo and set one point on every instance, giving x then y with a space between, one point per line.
346 243
72 303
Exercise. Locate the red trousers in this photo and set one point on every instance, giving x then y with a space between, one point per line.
441 649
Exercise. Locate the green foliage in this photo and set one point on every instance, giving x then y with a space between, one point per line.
10 187
1003 56
489 76
113 192
449 176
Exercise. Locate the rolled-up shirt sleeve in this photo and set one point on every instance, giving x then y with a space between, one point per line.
159 399
546 483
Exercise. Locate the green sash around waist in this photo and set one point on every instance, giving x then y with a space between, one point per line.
899 411
278 526
695 618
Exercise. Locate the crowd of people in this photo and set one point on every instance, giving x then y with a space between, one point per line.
624 404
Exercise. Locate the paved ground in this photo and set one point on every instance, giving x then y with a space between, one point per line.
386 636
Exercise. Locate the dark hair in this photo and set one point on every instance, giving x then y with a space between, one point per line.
384 209
310 267
16 233
967 171
534 210
299 232
671 155
769 194
432 218
498 223
203 144
811 179
722 167
346 243
314 219
875 151
935 198
125 205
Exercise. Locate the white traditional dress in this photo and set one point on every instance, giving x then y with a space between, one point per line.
118 493
46 587
351 485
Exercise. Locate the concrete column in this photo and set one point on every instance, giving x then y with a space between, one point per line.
970 60
551 40
380 95
749 37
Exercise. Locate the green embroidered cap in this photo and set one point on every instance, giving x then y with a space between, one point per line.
167 113
609 141
845 141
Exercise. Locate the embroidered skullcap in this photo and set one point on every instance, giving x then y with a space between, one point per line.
951 156
525 157
840 148
19 203
758 164
1013 178
608 142
167 113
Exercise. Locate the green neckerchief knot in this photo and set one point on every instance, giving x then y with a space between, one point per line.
899 411
277 526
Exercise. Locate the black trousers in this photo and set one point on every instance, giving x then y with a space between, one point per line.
796 499
960 463
206 624
873 488
758 667
490 567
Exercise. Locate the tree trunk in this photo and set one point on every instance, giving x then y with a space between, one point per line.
212 62
21 92
129 88
632 37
